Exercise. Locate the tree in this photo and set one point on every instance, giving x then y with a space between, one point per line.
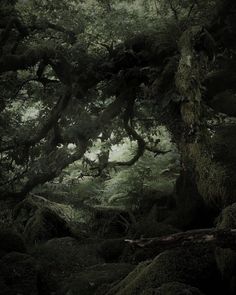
89 76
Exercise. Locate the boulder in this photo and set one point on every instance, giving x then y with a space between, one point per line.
96 277
112 249
11 241
27 208
110 221
40 220
188 205
226 258
227 218
44 225
61 257
173 288
193 265
18 275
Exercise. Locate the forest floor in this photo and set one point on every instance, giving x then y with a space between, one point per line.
116 251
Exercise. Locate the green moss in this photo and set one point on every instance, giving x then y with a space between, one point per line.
226 258
193 265
44 225
227 218
18 274
90 279
173 288
211 176
11 241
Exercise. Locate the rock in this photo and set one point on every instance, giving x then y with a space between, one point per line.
45 225
112 249
11 241
188 205
226 258
40 220
173 288
227 218
62 257
111 222
190 265
26 209
149 227
90 279
153 229
18 275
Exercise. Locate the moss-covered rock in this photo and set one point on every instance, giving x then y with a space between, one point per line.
193 265
112 249
44 225
110 221
18 275
227 218
188 205
90 279
226 258
27 208
61 257
173 288
40 220
148 226
11 241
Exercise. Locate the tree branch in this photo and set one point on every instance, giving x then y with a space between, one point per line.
44 25
210 236
46 126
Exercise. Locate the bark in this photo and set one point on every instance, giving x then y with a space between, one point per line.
45 127
50 166
210 237
215 181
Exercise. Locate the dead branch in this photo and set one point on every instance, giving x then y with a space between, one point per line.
210 236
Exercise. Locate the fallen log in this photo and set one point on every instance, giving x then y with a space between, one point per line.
211 236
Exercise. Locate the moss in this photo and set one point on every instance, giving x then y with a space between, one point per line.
227 218
173 288
226 258
11 241
19 274
211 177
149 227
44 225
129 278
61 257
195 266
112 249
26 209
90 279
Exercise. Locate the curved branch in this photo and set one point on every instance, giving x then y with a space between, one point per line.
14 62
14 22
56 162
59 159
46 126
44 25
142 145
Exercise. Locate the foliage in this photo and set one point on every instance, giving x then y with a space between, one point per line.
128 186
83 76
